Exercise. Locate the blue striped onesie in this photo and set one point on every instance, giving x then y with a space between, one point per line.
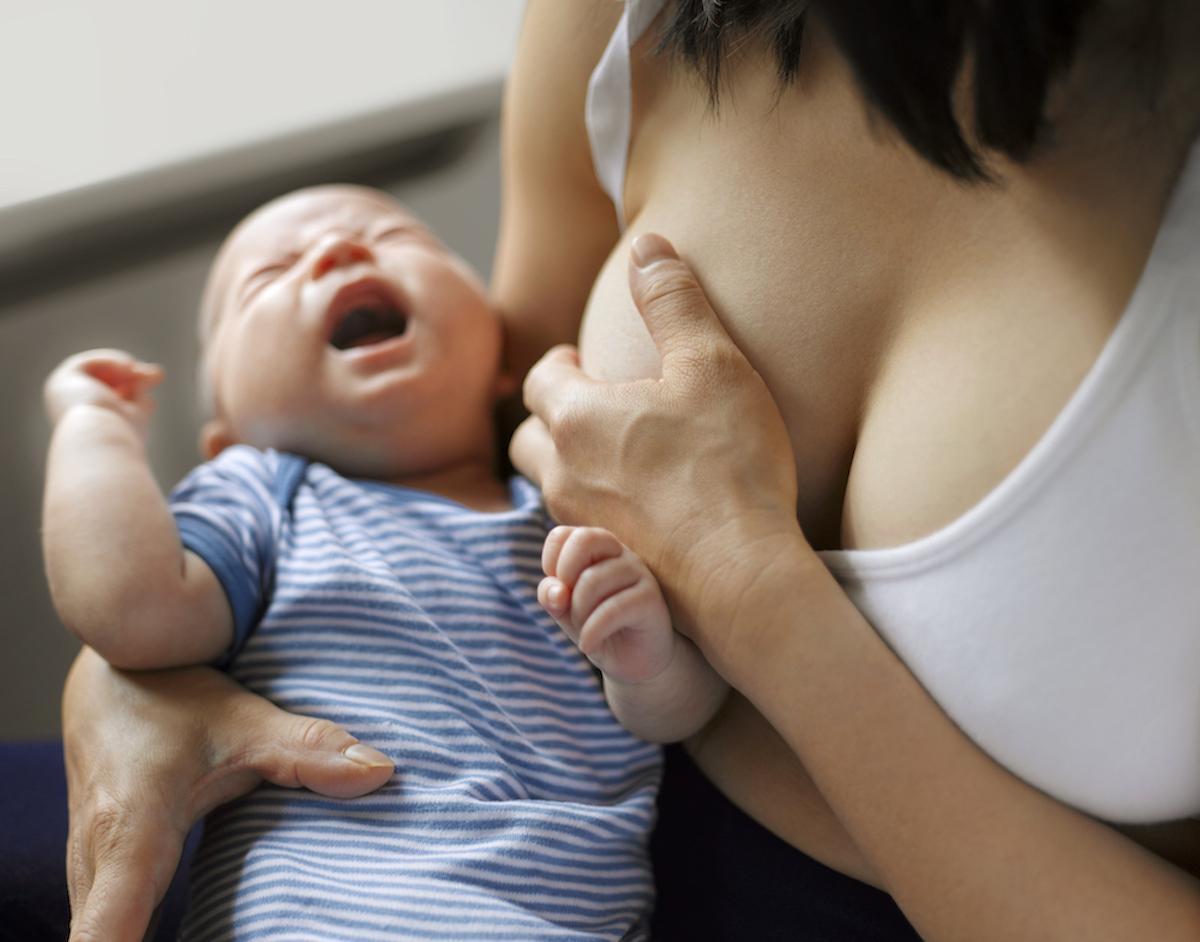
520 809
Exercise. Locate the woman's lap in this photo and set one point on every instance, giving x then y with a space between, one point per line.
721 875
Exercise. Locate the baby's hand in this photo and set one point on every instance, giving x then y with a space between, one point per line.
109 378
605 599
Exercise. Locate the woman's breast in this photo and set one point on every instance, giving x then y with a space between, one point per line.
798 251
815 370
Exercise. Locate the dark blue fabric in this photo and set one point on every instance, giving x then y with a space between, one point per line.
33 839
721 876
211 546
230 522
288 476
33 836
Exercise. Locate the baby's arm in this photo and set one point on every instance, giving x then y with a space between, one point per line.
119 576
602 595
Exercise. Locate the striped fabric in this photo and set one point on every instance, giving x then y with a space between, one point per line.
520 809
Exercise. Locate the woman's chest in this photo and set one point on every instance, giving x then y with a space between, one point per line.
901 418
913 372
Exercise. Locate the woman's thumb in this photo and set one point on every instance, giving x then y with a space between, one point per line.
677 313
304 752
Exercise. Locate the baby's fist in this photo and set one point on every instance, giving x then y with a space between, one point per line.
111 379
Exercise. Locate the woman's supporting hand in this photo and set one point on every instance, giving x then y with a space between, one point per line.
679 468
148 754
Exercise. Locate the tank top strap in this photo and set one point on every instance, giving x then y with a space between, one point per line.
609 111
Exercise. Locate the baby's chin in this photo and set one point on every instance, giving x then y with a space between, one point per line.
379 445
357 460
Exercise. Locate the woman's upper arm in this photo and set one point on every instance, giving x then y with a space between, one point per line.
556 226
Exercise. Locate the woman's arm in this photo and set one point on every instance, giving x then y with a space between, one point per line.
694 472
556 225
149 754
119 575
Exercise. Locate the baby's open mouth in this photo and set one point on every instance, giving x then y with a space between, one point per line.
363 326
368 315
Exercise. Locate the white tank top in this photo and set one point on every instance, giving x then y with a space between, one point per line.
1057 622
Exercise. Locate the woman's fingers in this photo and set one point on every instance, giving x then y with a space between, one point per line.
671 465
123 845
553 380
550 385
532 450
120 873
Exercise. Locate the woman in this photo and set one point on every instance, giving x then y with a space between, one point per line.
922 224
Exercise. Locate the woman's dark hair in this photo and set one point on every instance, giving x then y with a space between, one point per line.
908 56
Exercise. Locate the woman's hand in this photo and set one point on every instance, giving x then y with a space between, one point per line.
681 468
148 754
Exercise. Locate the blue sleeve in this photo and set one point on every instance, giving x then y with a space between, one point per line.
230 513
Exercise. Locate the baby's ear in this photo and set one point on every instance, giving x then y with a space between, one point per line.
215 437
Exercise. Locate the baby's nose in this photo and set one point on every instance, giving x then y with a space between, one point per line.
337 251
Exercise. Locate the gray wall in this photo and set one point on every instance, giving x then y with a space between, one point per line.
149 309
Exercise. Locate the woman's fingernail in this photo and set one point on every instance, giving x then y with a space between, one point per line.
365 755
649 248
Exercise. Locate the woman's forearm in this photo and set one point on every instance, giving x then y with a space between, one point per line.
968 850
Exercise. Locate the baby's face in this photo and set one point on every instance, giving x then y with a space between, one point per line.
341 329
